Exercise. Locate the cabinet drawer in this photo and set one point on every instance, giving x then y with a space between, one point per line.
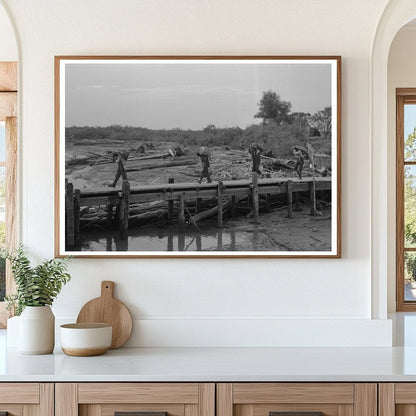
297 399
146 399
397 399
21 399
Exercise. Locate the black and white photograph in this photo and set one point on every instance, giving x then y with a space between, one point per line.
198 156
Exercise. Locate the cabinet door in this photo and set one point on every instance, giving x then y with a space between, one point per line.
397 399
297 399
142 399
26 399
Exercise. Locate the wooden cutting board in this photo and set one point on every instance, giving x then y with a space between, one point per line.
107 309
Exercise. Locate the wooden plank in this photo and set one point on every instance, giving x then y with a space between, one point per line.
345 410
47 399
365 399
386 399
91 410
8 105
340 393
30 410
224 399
405 393
190 410
24 393
138 393
66 399
8 76
405 410
207 399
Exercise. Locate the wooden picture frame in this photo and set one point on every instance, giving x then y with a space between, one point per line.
136 135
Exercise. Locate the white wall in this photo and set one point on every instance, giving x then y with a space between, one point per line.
401 74
197 302
8 47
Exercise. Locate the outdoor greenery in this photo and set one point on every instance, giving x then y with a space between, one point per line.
35 285
277 134
410 205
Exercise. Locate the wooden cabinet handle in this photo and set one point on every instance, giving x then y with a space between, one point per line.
139 414
295 413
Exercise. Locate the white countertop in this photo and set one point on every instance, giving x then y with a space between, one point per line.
215 364
222 364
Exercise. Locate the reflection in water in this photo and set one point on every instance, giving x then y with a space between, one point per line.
166 239
237 235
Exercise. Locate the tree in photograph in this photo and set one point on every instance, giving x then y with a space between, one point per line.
322 121
272 107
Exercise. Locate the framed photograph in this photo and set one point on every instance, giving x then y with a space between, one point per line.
198 156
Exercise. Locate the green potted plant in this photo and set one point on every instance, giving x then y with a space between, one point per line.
36 289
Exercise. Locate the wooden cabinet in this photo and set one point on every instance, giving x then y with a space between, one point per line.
107 399
397 399
208 399
263 399
27 399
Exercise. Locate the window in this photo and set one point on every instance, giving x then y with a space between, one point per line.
8 165
406 199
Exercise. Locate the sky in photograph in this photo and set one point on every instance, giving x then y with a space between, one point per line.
187 96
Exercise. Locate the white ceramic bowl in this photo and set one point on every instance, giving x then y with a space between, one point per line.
83 340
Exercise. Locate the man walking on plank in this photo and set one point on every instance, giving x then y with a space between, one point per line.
121 159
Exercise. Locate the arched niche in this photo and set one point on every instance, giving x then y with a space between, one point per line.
397 14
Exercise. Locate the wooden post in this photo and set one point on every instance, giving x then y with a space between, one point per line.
311 153
198 205
297 202
124 210
198 242
289 199
69 210
181 242
109 220
232 208
170 240
170 204
219 240
181 212
313 197
116 219
219 199
255 191
77 208
268 202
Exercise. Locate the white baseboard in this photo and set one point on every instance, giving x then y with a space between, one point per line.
189 332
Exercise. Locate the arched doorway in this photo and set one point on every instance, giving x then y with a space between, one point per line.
396 15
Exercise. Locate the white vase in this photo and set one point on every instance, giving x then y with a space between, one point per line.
12 333
37 330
